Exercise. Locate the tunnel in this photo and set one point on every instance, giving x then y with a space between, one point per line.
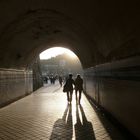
105 35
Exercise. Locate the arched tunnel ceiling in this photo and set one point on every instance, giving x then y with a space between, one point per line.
96 31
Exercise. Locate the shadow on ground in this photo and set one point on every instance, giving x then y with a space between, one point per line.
83 128
63 129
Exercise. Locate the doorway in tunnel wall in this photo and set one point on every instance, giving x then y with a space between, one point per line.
59 62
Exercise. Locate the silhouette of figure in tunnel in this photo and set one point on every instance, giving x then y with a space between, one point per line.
63 129
69 88
78 87
84 129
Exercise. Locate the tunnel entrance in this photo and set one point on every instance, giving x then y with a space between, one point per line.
104 35
58 62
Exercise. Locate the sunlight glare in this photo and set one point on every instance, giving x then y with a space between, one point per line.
52 52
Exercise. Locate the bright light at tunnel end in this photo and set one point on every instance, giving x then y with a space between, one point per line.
52 52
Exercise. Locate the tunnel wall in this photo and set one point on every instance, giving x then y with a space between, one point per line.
14 84
37 75
115 88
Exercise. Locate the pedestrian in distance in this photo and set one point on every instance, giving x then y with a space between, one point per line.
60 81
78 88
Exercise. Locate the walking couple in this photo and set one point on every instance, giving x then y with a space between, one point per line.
78 85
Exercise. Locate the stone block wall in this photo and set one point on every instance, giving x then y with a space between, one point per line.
116 88
14 84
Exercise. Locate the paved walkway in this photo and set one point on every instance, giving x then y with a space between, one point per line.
45 115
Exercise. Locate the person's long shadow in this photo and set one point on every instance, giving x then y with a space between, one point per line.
83 129
63 129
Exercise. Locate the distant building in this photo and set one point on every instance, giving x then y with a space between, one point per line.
60 65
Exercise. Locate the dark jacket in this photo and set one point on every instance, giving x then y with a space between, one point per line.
69 84
78 84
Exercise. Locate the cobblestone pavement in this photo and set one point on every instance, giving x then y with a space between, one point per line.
45 115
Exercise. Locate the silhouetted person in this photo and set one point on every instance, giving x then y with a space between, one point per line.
63 129
46 79
83 128
69 88
78 87
60 81
53 80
